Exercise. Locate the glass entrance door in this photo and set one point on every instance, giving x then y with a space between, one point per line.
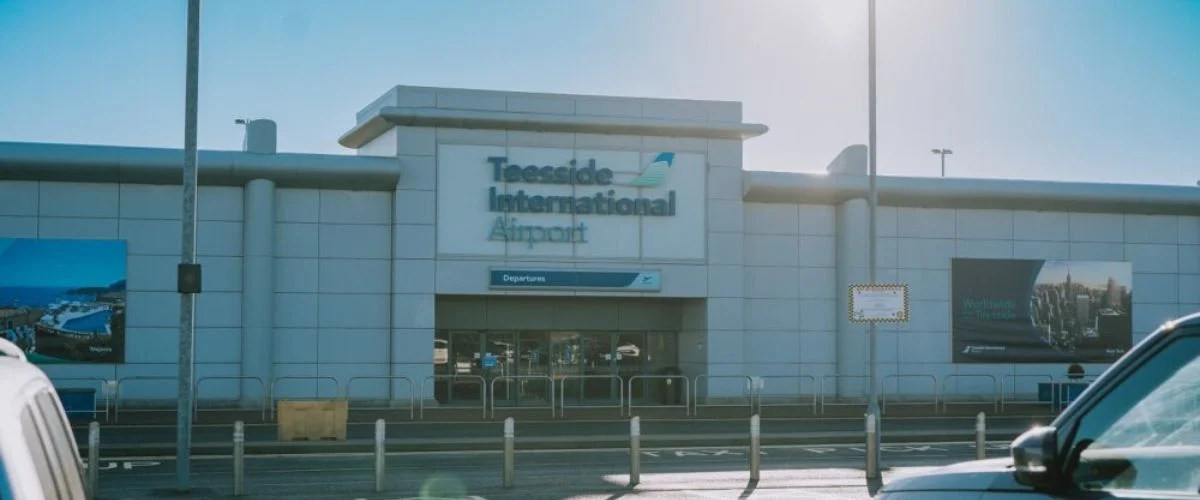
499 360
532 362
629 354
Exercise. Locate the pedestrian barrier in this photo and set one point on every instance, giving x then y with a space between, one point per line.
522 379
337 389
412 407
93 473
453 379
262 400
946 402
380 454
840 399
510 452
122 382
797 400
755 447
1005 401
747 392
239 457
562 391
668 380
102 387
883 393
635 451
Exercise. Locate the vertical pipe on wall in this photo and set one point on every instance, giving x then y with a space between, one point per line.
258 288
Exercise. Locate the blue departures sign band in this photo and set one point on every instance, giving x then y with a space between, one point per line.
640 281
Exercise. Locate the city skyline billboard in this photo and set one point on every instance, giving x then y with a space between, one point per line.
63 301
1040 311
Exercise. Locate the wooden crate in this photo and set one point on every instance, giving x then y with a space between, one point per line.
312 420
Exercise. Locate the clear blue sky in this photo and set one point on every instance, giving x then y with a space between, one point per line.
1096 90
61 263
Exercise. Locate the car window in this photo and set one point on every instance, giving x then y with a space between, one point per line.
63 445
1145 434
37 451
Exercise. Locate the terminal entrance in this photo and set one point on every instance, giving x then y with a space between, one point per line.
521 363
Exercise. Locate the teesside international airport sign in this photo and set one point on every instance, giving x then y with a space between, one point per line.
604 201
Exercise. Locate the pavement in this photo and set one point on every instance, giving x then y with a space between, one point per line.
822 471
262 438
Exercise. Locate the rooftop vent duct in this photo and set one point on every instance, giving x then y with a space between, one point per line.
260 136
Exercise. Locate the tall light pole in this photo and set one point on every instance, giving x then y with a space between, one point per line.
189 270
873 202
943 152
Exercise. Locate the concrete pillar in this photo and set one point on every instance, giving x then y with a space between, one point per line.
853 267
258 287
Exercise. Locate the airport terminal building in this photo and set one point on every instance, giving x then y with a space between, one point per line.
515 240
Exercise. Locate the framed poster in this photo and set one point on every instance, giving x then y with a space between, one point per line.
63 301
1040 311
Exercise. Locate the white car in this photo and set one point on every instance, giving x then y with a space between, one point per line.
38 456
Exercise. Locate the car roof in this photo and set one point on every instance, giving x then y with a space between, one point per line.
1192 319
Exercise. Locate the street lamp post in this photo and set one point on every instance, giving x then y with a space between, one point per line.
873 202
188 268
943 152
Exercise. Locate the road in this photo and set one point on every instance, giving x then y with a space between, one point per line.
433 436
814 472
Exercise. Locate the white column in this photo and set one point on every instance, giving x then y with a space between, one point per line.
258 287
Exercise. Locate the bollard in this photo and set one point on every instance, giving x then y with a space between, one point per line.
872 456
239 457
380 438
980 436
509 453
93 459
755 448
635 451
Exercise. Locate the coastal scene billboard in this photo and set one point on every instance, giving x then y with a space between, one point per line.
1040 311
63 301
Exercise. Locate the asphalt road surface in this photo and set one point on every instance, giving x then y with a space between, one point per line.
814 472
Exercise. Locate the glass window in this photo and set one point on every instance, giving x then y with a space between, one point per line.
1145 433
38 451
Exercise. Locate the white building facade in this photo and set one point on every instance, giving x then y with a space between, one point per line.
538 237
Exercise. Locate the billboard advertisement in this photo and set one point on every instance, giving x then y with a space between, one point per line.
63 301
1040 311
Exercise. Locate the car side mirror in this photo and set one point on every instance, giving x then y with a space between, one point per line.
1035 458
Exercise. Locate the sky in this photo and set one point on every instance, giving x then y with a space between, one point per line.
61 263
1070 90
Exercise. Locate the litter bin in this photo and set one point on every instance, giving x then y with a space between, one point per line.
78 403
672 388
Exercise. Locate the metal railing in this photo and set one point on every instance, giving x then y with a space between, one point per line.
836 378
667 380
562 393
1065 400
521 379
453 379
412 407
1004 400
813 382
103 391
139 378
883 392
747 393
337 389
946 402
262 399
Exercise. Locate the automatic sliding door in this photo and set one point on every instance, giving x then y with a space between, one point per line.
499 360
600 361
533 362
462 359
564 351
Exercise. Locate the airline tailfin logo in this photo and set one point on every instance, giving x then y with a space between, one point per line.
655 174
